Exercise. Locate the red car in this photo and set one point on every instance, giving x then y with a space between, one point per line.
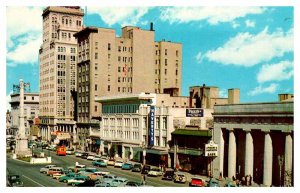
197 181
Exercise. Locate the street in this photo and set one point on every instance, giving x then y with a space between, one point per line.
31 176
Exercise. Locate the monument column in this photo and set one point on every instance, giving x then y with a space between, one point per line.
268 159
288 159
231 154
249 154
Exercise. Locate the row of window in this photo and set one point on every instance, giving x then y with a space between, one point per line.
133 108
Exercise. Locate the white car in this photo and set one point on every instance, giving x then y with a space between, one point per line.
76 180
118 163
105 159
46 168
57 175
118 182
155 171
91 156
78 154
96 158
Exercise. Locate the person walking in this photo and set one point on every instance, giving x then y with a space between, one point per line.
144 179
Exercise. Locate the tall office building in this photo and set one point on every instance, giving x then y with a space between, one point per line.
58 68
132 63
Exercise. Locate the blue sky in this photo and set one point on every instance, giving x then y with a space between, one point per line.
251 48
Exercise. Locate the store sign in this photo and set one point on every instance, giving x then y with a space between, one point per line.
151 125
194 112
211 149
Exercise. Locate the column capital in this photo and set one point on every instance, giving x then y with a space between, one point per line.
287 131
247 130
266 131
230 129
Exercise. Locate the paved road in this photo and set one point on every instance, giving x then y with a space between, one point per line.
32 177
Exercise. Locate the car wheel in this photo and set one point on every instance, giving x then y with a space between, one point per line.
73 184
65 181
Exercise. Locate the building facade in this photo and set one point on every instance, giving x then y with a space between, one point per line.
126 125
31 110
58 58
255 139
109 65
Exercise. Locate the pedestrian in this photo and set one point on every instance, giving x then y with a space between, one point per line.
243 180
250 180
144 179
247 180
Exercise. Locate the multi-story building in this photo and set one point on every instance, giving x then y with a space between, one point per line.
31 110
58 58
110 65
255 139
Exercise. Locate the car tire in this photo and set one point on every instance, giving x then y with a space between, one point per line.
65 181
73 184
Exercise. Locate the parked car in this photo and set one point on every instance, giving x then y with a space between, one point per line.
127 166
179 177
87 183
119 182
78 153
105 159
78 179
46 168
197 181
99 163
14 181
102 184
97 157
99 175
137 168
132 184
146 169
93 170
67 177
111 162
213 183
118 163
59 174
168 175
109 178
54 170
70 151
84 155
155 171
91 175
91 156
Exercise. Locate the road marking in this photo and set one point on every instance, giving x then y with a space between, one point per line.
33 180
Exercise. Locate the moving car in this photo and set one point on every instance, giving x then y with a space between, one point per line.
197 181
14 181
137 168
168 175
54 170
127 166
111 162
46 168
179 177
84 155
91 156
70 151
155 171
78 153
99 163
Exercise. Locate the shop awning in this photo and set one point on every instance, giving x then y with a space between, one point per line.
151 151
200 133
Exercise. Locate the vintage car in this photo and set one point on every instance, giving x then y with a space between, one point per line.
14 181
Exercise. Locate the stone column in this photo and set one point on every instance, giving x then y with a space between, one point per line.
268 159
249 154
288 159
221 151
231 154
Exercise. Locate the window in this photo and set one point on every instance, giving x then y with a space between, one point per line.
164 122
96 108
96 87
177 52
119 69
166 52
108 46
119 58
108 88
119 79
156 142
164 142
165 71
96 55
176 72
166 62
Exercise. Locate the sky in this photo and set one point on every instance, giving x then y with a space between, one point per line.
250 48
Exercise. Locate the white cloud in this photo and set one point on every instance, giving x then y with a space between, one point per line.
275 72
213 15
260 89
249 23
223 93
24 53
235 24
122 15
24 31
247 49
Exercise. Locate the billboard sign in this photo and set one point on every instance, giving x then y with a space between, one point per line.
194 112
211 149
151 125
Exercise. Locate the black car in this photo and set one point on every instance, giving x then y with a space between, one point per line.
137 168
168 175
145 169
87 183
84 155
132 184
14 181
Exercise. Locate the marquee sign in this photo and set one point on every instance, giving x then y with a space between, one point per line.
211 149
151 125
194 112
